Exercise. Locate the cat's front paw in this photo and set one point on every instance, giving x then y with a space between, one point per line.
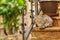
41 28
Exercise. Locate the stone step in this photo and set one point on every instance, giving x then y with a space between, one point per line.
50 29
45 36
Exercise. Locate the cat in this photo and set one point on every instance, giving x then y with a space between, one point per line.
43 21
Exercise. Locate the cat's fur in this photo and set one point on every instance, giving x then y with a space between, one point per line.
43 21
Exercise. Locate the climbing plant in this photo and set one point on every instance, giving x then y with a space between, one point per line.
10 10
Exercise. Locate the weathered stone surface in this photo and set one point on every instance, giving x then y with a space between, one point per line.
45 36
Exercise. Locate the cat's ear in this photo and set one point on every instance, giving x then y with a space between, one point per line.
41 13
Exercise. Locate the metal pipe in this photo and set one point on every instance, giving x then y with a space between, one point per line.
25 33
36 7
32 23
31 18
23 25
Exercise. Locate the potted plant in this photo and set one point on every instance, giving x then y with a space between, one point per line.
10 10
49 7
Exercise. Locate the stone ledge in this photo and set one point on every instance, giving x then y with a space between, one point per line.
56 17
50 29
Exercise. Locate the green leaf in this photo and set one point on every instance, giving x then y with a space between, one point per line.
16 21
10 9
21 2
